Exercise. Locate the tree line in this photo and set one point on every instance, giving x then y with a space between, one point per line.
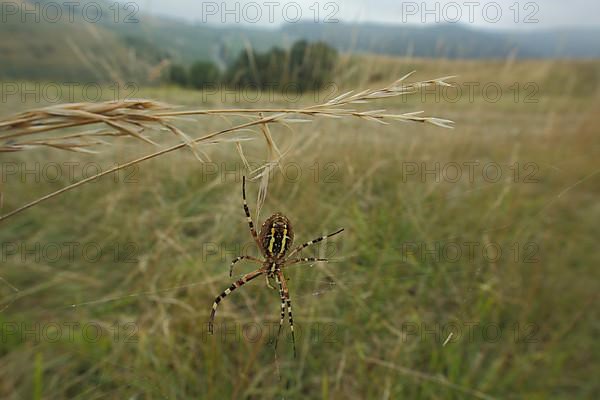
305 66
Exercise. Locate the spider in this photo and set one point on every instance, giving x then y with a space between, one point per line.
274 240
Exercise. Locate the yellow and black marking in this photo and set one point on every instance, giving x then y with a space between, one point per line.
276 236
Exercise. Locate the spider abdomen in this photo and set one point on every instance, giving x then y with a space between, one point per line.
276 235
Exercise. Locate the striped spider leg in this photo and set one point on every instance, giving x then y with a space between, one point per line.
285 301
311 242
240 258
283 290
239 283
249 218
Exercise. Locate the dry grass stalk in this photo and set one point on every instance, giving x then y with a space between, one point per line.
135 118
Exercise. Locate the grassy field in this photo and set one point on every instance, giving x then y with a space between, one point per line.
467 267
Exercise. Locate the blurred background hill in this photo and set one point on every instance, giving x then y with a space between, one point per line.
128 45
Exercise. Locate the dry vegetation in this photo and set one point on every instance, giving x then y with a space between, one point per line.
169 227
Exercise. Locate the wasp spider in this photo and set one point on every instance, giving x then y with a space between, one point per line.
274 240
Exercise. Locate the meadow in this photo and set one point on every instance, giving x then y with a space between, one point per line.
466 269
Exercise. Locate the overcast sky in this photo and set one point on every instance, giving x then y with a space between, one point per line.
499 14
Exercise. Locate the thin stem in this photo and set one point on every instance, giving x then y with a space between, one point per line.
131 163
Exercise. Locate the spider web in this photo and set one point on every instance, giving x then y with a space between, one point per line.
332 280
325 286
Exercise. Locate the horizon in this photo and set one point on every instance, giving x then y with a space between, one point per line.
501 16
459 25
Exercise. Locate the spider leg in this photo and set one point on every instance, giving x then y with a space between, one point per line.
288 302
282 297
240 258
268 283
317 240
301 260
240 282
249 218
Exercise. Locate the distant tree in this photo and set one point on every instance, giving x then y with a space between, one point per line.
307 66
257 69
178 75
203 74
312 64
